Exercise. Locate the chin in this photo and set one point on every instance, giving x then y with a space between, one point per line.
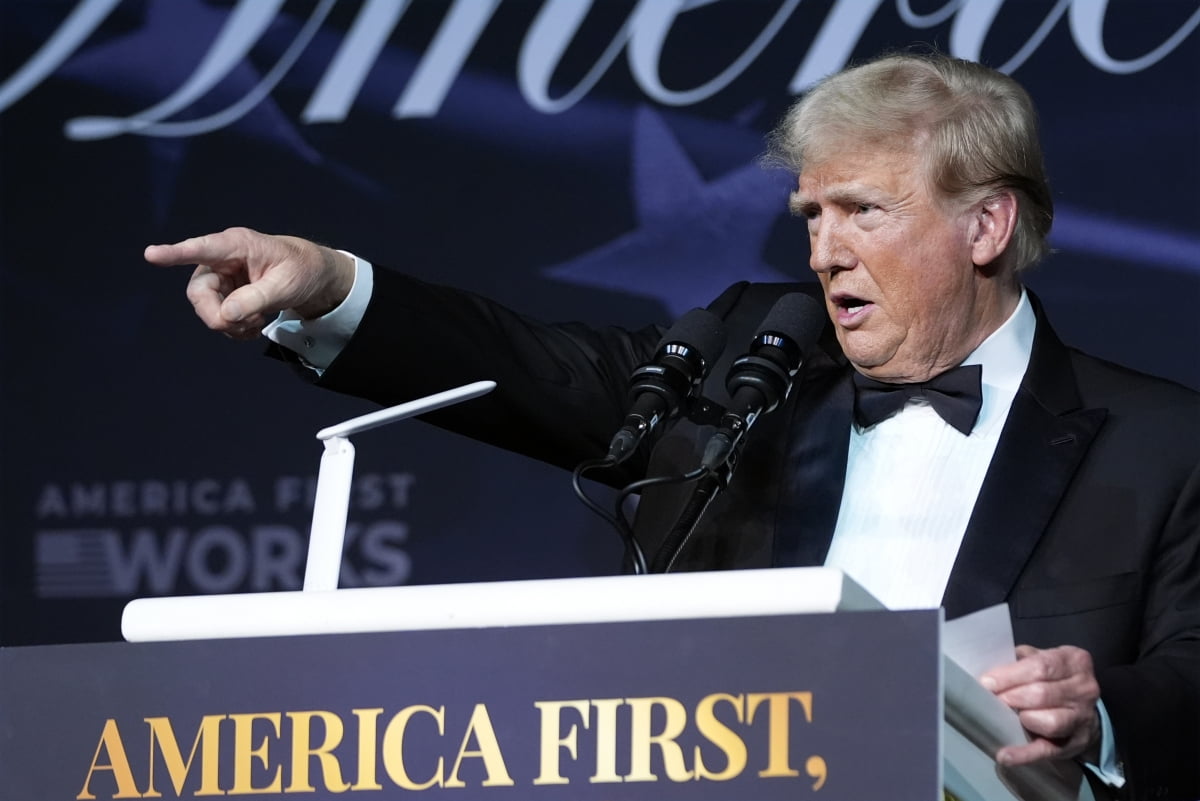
872 372
879 367
865 359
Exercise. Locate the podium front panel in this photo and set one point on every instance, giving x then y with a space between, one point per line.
844 706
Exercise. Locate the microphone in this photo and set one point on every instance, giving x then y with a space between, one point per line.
682 359
761 379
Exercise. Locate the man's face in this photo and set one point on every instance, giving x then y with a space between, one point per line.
897 268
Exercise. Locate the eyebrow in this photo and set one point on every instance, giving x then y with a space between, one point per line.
842 195
799 205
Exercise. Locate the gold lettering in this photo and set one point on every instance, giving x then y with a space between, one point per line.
721 736
208 732
552 743
641 739
367 727
480 725
118 763
393 747
815 767
778 764
244 755
654 722
605 728
303 752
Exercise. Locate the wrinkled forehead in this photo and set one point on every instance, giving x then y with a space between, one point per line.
852 162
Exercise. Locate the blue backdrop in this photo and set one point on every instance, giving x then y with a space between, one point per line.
574 159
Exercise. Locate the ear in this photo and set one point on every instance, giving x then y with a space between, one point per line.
995 222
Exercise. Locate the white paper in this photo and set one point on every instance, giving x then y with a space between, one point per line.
981 640
975 644
978 723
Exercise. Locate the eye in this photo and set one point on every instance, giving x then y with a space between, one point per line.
804 209
863 208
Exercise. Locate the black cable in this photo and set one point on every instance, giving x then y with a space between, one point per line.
619 505
634 555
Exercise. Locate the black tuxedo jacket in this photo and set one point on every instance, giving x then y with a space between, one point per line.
1087 524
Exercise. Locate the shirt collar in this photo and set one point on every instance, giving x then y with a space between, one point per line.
1004 355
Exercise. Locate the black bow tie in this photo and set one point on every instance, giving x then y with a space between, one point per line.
955 395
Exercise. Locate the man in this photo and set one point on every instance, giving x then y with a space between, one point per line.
1072 492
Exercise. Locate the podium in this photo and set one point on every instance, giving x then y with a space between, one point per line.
765 684
780 695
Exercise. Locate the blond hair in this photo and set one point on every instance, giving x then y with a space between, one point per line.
974 128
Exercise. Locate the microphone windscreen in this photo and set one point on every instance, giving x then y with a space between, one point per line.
797 316
701 330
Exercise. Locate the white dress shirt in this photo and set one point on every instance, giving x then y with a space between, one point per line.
912 480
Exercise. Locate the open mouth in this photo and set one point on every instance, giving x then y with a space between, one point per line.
850 308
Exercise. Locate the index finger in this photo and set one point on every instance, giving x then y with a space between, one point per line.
1032 666
196 250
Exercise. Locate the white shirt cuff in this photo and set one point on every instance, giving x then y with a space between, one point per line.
319 341
1110 771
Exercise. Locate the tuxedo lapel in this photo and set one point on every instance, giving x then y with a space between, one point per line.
1043 442
814 465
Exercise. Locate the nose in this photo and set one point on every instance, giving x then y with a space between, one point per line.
829 251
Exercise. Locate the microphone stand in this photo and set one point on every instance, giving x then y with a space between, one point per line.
707 488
